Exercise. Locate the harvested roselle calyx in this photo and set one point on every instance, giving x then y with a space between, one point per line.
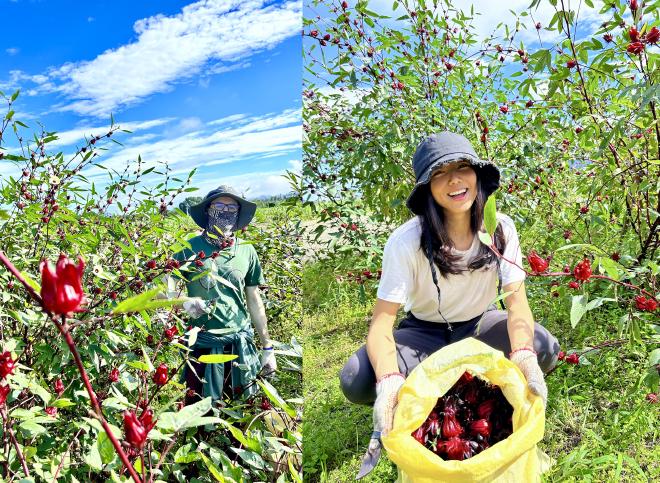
471 395
480 427
450 426
458 449
421 434
485 408
433 424
464 379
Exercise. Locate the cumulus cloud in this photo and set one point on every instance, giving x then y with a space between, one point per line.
207 36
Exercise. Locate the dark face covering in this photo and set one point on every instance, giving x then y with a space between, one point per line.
222 225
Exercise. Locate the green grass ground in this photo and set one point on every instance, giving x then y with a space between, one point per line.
599 427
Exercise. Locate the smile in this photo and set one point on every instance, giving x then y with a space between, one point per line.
458 195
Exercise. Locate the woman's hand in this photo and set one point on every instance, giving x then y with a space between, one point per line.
387 391
528 364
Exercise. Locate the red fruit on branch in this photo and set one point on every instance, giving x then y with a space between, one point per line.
7 364
171 332
584 210
58 387
151 264
114 375
652 36
265 404
344 5
608 38
160 376
615 256
538 25
61 289
567 234
504 109
135 433
51 411
582 271
635 48
634 34
573 358
574 285
648 305
538 264
561 356
571 63
4 392
529 103
313 33
633 6
579 129
650 397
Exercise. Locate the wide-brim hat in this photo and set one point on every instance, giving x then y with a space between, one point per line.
443 148
246 212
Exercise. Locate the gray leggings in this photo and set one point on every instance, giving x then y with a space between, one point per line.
417 339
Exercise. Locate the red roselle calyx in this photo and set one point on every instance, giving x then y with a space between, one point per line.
7 364
171 332
58 387
480 427
451 427
4 392
160 377
582 271
114 375
648 305
136 429
61 289
538 264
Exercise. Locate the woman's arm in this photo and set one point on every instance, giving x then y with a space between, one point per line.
380 341
520 321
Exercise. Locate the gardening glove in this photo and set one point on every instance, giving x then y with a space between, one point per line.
268 362
528 364
195 307
387 391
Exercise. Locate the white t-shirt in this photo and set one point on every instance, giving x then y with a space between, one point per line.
406 277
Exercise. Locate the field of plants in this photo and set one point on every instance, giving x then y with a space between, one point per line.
90 358
571 121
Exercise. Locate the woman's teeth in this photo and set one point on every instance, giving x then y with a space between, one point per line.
458 193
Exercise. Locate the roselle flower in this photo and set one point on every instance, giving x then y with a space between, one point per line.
61 289
635 48
4 392
573 358
420 434
582 271
485 409
652 36
634 34
171 332
481 427
451 427
58 387
135 433
114 375
538 264
51 411
457 449
160 377
7 364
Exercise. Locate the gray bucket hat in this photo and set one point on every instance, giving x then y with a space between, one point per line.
245 212
444 148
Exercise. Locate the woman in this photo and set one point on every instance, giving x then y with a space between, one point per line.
436 266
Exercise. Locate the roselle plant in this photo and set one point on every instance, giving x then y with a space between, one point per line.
84 345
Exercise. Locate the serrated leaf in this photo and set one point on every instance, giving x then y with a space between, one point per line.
189 417
275 397
578 309
63 403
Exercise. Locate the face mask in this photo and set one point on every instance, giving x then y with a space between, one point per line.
222 220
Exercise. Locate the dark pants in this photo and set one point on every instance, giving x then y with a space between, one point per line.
193 380
417 339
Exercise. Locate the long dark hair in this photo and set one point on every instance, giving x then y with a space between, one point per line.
436 243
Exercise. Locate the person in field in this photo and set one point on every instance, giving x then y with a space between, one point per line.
446 279
222 275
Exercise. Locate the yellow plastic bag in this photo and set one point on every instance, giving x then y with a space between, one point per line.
515 459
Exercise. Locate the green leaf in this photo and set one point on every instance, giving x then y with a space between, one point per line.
610 267
216 358
251 458
275 398
93 458
490 215
105 448
63 403
144 301
31 429
578 309
485 238
214 470
654 357
188 417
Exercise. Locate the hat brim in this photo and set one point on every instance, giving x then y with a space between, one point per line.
486 171
245 214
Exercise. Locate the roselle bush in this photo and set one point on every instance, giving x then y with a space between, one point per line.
471 417
90 360
572 126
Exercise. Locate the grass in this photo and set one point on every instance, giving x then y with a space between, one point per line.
598 425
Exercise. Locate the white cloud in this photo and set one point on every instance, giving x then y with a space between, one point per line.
12 50
213 34
252 185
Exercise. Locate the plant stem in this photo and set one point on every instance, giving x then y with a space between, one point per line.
21 458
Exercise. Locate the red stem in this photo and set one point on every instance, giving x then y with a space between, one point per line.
5 418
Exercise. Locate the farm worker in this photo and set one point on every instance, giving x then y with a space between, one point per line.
225 299
446 278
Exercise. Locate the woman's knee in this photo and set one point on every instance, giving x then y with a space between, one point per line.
357 379
546 347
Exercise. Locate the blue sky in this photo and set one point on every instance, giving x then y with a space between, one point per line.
212 84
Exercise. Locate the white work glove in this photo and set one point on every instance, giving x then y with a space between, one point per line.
528 364
195 307
268 362
387 391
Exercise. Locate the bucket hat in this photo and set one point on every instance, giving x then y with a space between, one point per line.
246 211
443 148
